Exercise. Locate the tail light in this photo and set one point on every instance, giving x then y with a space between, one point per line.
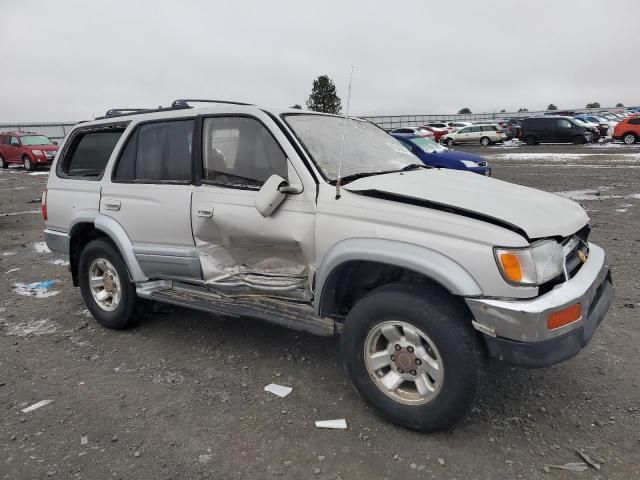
44 205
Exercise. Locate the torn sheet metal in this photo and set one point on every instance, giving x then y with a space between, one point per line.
277 271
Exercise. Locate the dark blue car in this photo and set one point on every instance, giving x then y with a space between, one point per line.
435 155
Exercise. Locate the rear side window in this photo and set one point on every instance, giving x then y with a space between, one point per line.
88 153
157 152
488 128
634 121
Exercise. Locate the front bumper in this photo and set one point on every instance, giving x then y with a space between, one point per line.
516 330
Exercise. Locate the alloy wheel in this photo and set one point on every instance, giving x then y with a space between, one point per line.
105 285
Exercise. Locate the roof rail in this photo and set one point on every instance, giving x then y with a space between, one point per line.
184 102
120 112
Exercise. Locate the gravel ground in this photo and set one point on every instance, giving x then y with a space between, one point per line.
181 395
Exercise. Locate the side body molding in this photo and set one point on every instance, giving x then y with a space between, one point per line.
115 231
430 263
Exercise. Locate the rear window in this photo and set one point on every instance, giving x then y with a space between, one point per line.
89 152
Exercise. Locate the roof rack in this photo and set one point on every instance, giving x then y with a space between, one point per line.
178 104
184 102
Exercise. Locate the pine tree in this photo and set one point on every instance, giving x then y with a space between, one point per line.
323 96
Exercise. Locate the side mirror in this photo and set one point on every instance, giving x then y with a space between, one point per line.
272 194
15 144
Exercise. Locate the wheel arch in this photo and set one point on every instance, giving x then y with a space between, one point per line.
373 259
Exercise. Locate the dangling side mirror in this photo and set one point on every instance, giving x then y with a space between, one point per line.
272 194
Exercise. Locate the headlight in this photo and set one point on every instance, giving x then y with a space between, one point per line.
469 163
37 152
533 265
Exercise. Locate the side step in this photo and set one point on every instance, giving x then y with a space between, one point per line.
287 314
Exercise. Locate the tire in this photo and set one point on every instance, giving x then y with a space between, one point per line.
485 141
3 164
530 140
450 142
443 327
100 255
629 138
28 164
579 140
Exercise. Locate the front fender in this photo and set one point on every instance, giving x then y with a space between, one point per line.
430 263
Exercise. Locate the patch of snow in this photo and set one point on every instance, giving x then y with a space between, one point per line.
585 195
60 261
635 196
560 157
6 254
621 210
24 212
34 327
41 247
36 289
171 378
39 173
12 270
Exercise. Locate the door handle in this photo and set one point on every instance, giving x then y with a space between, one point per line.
205 212
112 205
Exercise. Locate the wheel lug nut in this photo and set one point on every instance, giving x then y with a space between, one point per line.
418 361
393 358
414 373
410 349
397 347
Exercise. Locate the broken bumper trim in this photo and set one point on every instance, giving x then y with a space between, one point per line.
516 330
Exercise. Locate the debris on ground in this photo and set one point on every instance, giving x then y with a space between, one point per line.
84 440
36 289
595 464
279 390
339 424
35 406
571 466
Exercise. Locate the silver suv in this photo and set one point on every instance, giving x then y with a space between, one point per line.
327 224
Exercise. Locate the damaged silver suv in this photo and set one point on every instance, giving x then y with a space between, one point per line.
327 224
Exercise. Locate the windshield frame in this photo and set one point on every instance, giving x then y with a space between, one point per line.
316 166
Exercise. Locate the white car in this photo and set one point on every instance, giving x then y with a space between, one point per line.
329 225
413 132
483 134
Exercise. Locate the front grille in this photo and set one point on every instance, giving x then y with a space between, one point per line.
575 248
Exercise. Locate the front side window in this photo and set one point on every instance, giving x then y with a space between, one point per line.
89 153
157 152
464 130
240 152
476 129
35 140
368 150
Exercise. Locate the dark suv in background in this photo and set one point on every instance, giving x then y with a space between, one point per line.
554 129
27 148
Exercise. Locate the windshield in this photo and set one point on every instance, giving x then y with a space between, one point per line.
35 140
367 148
427 145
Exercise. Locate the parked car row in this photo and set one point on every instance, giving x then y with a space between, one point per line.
28 149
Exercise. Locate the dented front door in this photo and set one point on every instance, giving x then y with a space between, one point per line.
241 252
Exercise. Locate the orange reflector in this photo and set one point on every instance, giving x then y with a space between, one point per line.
511 266
564 317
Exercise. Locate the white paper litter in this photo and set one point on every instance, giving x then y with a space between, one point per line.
84 440
340 424
35 406
278 390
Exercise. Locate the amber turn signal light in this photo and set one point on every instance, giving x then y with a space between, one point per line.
511 266
564 317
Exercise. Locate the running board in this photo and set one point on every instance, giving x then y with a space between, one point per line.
283 313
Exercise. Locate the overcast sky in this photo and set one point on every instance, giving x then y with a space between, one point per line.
73 59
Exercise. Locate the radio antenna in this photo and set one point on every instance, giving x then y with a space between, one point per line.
344 135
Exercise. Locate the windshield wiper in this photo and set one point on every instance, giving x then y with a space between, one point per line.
356 176
412 166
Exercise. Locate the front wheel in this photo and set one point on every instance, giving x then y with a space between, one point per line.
530 140
27 163
105 286
450 142
629 138
412 354
485 141
579 140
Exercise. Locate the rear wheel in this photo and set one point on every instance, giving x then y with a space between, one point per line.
530 140
485 141
629 138
105 286
412 354
579 140
450 142
3 164
27 163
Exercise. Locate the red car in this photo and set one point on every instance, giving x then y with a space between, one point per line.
27 148
437 132
628 130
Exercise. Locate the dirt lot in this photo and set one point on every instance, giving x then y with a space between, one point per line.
181 396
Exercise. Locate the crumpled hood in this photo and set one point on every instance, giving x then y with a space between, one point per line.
538 214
